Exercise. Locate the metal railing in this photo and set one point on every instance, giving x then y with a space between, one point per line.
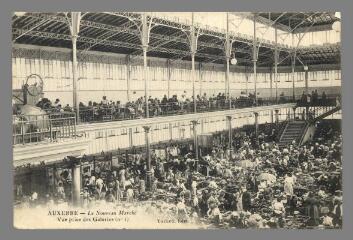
43 128
329 100
102 113
320 112
136 110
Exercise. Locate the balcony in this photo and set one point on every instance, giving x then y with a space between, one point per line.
133 111
47 128
45 138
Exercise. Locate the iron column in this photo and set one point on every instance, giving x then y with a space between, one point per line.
230 135
306 92
196 147
76 182
74 29
169 77
256 125
228 49
193 47
276 64
277 115
293 74
128 75
254 59
144 38
148 158
144 47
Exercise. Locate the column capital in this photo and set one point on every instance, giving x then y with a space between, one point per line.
146 128
73 161
229 117
128 58
144 47
276 110
256 114
194 122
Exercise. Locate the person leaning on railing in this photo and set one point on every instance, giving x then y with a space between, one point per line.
166 106
67 108
338 101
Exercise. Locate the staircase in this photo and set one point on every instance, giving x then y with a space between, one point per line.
328 113
293 131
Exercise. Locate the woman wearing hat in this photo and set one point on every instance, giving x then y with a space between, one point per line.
214 214
85 197
312 210
118 192
288 185
181 209
243 200
203 203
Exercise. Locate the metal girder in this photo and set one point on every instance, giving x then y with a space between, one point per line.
82 39
307 29
270 24
134 16
267 21
30 29
86 23
110 43
159 38
66 37
161 42
272 59
182 56
127 26
303 21
127 29
306 18
162 22
328 47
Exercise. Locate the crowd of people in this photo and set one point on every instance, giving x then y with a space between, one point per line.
256 185
115 110
313 99
108 110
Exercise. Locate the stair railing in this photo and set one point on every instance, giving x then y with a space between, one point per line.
325 114
284 130
307 124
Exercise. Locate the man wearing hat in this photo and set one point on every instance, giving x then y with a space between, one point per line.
203 203
56 103
337 209
244 200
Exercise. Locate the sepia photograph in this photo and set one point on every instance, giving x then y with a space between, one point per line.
177 120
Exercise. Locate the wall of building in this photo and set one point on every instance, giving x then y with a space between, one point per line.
115 136
120 79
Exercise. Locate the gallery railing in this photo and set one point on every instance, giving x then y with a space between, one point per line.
43 128
135 110
101 113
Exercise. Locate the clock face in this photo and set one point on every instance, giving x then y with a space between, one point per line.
34 84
